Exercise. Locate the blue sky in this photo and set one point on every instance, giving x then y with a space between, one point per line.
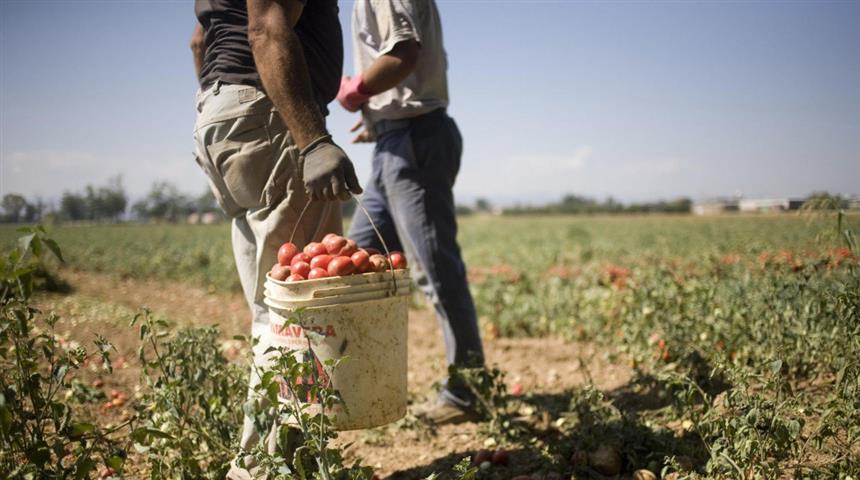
630 99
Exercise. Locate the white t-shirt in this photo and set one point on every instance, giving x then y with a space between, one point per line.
377 26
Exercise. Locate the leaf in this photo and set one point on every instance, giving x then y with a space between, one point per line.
83 467
5 419
272 391
115 462
142 434
315 337
60 373
25 241
80 428
54 248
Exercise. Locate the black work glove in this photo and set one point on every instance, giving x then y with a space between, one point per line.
328 173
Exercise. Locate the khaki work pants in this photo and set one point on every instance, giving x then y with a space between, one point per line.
254 170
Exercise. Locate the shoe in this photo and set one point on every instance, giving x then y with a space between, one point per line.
438 412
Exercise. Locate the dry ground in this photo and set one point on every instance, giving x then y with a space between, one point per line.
104 304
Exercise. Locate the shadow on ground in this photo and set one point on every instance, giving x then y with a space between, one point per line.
566 427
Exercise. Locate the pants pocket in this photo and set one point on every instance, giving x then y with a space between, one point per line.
244 161
216 184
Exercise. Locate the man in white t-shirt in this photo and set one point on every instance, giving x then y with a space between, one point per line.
401 89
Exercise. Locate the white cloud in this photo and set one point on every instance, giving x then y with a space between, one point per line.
52 159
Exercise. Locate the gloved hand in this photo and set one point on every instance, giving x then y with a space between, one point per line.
328 172
352 94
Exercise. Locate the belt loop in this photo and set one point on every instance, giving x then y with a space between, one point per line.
217 88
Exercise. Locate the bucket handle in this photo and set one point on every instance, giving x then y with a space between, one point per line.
375 230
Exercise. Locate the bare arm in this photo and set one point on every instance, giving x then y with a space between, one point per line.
282 67
392 68
327 172
198 48
384 73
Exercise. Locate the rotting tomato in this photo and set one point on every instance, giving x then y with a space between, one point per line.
280 272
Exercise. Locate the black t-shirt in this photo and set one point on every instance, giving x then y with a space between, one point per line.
228 54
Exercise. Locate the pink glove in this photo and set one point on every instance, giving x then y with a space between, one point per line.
353 93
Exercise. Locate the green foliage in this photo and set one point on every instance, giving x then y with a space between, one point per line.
744 330
296 401
191 410
491 397
43 432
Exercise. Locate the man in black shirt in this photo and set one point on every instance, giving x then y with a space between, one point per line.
267 70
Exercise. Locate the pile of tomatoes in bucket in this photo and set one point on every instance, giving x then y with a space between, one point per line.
335 256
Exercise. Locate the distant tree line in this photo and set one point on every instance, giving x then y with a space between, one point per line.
578 204
581 205
17 209
99 204
165 202
109 204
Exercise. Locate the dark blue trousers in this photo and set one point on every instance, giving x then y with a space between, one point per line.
410 198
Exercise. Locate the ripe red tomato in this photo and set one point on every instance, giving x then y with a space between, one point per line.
398 260
321 261
301 268
280 272
378 263
340 266
501 457
315 248
300 257
327 236
295 278
361 260
317 273
286 253
334 244
517 389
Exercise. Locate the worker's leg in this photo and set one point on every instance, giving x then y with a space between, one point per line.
373 200
419 165
253 167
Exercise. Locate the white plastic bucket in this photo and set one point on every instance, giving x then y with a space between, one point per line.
363 317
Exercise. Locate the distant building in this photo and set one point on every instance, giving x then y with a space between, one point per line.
206 218
769 205
715 207
854 203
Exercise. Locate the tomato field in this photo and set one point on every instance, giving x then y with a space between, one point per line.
619 346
